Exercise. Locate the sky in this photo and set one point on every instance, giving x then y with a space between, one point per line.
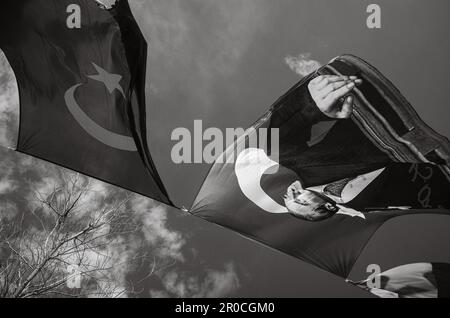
225 62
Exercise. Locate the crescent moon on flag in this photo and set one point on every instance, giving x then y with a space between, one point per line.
103 135
251 165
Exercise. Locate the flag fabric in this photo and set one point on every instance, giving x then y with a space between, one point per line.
81 72
319 190
329 185
421 280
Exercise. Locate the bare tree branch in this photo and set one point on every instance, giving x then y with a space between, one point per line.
35 259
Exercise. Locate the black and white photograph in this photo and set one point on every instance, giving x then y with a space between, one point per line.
224 156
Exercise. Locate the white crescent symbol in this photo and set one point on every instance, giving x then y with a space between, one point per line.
250 167
103 135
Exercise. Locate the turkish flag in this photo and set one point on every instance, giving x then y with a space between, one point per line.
81 76
329 186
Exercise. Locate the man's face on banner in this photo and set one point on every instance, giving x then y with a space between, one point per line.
308 205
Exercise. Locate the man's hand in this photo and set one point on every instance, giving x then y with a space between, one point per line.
331 94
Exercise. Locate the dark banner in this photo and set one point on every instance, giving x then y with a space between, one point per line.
352 154
81 72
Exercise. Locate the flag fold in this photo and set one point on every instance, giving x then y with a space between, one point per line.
81 73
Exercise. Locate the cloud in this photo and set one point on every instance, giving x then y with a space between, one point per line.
168 243
96 198
187 58
216 283
302 64
6 185
8 210
9 105
116 260
219 283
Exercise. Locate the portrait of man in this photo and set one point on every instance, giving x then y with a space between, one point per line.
391 187
352 155
344 171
